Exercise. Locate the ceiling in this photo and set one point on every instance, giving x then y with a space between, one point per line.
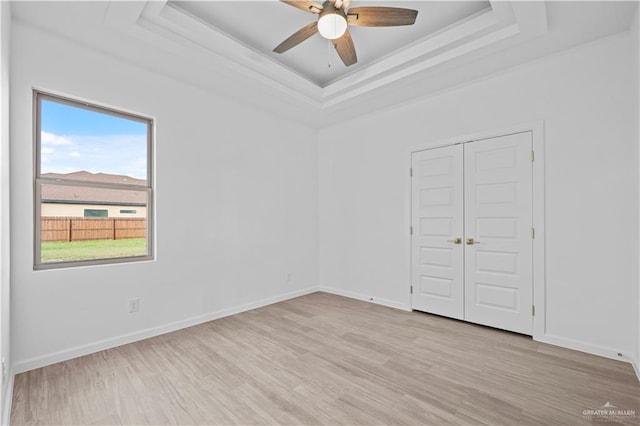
262 25
226 47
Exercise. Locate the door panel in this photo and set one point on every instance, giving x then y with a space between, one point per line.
498 216
437 269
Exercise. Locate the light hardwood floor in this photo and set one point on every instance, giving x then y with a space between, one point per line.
325 359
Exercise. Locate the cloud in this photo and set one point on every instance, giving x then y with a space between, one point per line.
47 138
115 154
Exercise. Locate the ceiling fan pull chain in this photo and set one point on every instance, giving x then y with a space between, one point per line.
329 54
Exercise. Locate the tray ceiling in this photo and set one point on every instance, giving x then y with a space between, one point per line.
262 25
226 47
240 36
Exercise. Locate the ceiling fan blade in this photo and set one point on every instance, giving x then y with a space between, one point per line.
346 4
345 48
306 5
375 16
298 37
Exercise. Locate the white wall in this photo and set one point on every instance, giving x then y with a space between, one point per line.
5 29
591 187
249 177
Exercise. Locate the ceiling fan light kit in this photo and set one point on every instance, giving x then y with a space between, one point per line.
333 22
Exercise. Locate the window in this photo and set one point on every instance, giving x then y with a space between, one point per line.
96 213
93 184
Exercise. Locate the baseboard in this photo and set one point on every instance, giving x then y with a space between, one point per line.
363 297
8 399
67 354
584 347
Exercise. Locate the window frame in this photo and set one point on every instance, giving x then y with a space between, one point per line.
39 181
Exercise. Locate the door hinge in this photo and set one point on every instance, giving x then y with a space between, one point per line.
533 310
411 230
533 233
411 289
533 156
411 172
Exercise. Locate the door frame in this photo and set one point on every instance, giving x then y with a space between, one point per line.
538 206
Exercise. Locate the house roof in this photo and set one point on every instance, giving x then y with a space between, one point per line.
72 194
96 177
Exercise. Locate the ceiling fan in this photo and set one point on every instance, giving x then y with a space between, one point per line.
333 18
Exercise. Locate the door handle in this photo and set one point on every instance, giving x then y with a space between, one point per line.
456 240
471 241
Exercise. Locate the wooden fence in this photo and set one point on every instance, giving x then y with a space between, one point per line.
92 228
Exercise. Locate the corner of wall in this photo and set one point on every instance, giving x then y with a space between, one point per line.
635 54
6 392
316 152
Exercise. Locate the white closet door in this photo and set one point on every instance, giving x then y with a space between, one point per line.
437 267
498 217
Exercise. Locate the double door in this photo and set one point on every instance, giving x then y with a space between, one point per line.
472 251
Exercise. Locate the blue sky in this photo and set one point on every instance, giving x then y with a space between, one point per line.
74 139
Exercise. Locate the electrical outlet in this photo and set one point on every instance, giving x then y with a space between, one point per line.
134 305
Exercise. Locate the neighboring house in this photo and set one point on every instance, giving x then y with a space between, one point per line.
79 201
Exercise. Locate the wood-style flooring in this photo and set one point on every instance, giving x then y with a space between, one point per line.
325 359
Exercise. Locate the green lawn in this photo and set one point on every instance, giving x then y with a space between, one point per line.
92 249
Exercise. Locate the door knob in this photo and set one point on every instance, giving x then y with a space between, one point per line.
471 241
456 240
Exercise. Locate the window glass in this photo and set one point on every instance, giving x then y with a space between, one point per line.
96 213
82 144
93 186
